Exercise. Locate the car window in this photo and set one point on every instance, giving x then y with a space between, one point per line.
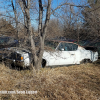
3 40
97 44
67 47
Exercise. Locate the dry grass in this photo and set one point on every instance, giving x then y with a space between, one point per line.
79 82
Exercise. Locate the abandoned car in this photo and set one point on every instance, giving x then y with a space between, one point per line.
62 53
67 53
6 41
16 56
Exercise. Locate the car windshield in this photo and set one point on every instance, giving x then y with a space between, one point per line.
51 44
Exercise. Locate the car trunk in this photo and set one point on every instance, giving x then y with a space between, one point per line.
94 49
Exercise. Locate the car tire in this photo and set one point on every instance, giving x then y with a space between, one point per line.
84 61
43 63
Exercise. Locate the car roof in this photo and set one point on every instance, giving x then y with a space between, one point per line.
64 41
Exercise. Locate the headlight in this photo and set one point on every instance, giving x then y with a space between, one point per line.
21 58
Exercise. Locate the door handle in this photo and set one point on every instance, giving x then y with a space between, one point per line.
72 54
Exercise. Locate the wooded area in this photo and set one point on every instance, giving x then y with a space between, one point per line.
36 20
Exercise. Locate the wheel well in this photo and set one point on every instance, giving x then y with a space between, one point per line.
43 63
86 61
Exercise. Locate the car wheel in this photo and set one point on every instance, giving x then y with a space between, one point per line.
84 61
88 61
43 63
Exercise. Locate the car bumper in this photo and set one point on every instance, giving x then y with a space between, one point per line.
16 63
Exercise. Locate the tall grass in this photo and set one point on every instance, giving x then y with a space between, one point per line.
78 82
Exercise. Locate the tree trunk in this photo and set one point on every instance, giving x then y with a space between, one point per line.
16 19
37 58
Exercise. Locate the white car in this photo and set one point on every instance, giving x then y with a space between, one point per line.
67 53
16 56
64 53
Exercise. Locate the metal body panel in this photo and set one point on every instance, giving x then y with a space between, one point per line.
69 57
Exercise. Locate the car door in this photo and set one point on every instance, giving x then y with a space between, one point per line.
68 53
65 54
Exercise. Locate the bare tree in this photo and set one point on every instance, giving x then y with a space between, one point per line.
69 22
92 18
53 29
16 19
25 6
6 28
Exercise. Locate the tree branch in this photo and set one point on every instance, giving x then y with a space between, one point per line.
40 17
47 17
81 6
24 3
